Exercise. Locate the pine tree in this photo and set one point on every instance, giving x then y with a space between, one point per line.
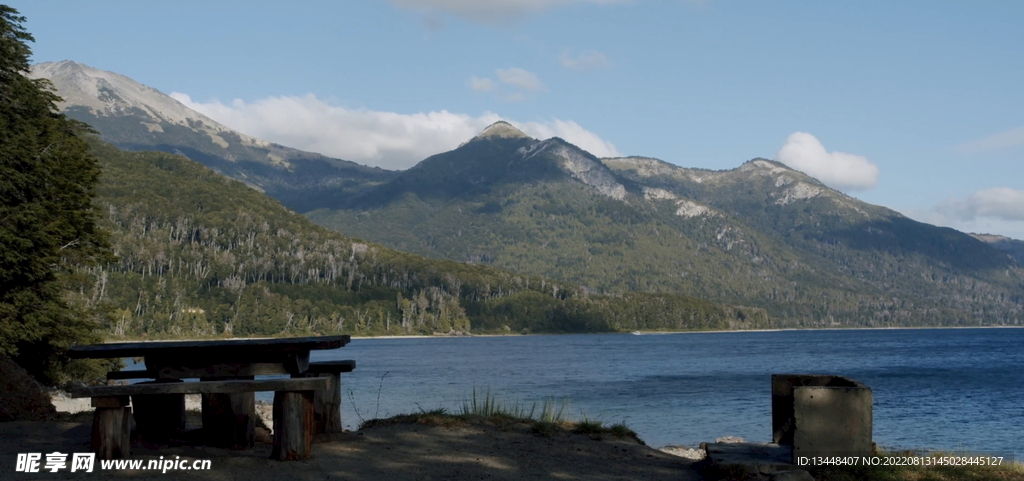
47 223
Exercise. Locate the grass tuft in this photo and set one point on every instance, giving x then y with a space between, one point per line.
546 419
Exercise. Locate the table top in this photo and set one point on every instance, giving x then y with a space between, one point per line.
224 347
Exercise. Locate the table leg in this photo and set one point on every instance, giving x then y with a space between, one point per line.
293 425
327 405
229 420
111 425
159 417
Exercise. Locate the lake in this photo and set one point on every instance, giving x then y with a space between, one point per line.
951 389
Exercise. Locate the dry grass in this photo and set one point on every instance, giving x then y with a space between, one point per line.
545 420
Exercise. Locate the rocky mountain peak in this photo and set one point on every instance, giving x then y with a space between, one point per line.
133 116
770 166
108 93
501 130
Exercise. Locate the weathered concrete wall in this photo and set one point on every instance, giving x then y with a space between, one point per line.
821 415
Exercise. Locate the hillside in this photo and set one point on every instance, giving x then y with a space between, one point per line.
1013 247
133 116
761 235
201 255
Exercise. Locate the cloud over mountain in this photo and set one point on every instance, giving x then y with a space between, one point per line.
999 202
386 139
998 209
804 152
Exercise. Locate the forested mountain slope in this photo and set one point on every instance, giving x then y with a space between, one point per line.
761 234
1013 247
202 255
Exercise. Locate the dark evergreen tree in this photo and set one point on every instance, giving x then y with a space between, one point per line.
47 177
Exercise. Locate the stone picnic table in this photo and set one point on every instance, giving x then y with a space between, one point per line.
226 369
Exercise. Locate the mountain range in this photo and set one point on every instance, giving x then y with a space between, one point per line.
202 255
136 117
761 235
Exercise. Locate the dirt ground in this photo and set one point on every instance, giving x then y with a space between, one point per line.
392 452
33 421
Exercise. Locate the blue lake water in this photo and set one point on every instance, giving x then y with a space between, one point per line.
951 389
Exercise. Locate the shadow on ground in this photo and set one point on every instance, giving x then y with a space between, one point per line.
394 452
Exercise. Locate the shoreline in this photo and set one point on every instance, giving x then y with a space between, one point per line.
665 333
692 452
640 333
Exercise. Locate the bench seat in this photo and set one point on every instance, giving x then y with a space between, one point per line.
326 402
204 387
293 410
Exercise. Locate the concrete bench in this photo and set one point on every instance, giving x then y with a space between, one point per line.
327 402
822 415
293 410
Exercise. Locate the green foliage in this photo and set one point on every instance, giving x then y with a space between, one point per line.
1013 247
200 255
826 260
47 225
488 405
818 260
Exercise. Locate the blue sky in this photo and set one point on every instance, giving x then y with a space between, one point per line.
915 105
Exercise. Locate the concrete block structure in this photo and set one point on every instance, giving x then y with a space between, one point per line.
821 415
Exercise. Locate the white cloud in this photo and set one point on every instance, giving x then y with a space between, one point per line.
997 210
999 140
386 139
1001 203
802 151
520 78
516 84
573 133
585 61
491 11
480 84
977 225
